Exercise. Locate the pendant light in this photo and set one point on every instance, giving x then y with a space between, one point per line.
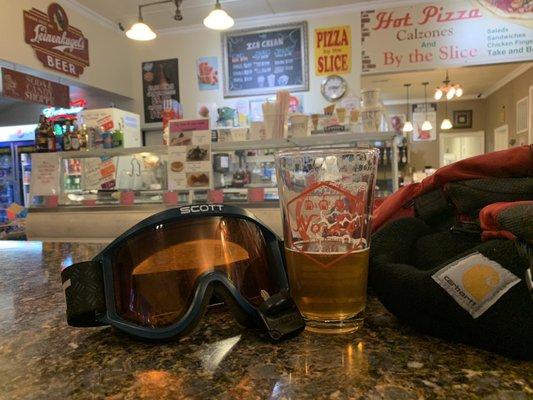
426 126
218 19
139 30
446 123
407 126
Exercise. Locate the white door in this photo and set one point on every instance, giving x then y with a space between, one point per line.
458 146
501 138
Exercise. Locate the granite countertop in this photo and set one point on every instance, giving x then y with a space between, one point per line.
41 357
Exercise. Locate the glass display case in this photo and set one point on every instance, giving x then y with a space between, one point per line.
243 172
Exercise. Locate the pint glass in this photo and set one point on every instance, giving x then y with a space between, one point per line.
326 197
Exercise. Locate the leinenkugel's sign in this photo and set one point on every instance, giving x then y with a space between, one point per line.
26 87
446 33
57 44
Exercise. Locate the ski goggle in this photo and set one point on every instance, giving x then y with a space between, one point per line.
156 280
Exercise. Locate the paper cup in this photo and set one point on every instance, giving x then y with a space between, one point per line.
298 124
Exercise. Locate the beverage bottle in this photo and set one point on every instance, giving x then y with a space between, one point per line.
58 131
118 136
83 137
75 138
67 145
51 137
41 136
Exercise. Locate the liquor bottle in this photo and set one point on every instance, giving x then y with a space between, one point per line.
41 136
84 137
74 138
51 137
67 145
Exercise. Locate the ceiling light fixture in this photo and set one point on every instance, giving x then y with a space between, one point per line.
446 123
142 32
218 19
450 90
407 126
426 126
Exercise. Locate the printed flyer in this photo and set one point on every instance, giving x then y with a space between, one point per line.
189 161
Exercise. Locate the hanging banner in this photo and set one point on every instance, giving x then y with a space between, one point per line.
333 50
35 90
58 45
160 84
442 34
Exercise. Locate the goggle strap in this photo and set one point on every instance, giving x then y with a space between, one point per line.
83 285
279 317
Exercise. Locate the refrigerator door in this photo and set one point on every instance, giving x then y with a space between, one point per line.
22 152
6 181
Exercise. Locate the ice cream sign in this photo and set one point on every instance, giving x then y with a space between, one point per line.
57 44
440 34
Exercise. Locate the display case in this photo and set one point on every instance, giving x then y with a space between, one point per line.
243 172
97 194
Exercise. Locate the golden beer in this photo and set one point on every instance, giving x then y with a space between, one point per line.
329 286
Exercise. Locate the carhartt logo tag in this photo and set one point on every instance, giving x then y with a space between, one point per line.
475 282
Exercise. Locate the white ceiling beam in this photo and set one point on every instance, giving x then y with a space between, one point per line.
430 100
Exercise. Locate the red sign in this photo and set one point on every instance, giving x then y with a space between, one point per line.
58 45
36 90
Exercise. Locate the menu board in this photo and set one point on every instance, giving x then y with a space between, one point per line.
189 156
264 60
45 174
442 34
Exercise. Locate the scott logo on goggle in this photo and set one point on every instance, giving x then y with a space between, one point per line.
201 208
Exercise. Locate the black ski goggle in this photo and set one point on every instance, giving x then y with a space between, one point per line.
156 280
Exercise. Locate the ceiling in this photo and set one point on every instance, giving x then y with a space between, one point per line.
474 80
194 11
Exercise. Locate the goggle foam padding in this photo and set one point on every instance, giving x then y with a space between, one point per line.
409 292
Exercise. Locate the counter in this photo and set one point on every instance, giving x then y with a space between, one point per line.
43 358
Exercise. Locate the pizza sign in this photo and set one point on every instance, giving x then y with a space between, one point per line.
58 45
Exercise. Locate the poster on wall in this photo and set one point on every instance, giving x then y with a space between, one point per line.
421 135
207 71
57 44
264 60
189 155
441 34
160 83
18 85
333 50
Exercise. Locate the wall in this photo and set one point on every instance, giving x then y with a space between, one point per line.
506 96
427 153
110 52
188 46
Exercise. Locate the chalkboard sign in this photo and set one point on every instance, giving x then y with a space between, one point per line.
263 60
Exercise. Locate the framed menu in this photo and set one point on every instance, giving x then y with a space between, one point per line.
264 60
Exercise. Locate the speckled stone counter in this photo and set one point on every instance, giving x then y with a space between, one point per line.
43 358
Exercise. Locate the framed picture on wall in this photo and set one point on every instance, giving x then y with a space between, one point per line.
264 60
521 115
462 119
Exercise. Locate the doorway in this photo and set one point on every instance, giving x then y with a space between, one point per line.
501 138
460 145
